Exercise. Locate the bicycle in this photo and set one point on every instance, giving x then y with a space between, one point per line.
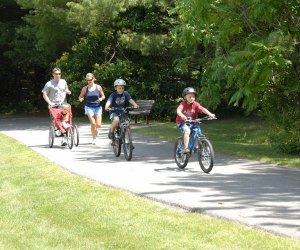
71 135
122 134
205 152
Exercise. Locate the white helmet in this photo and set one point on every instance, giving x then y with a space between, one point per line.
119 82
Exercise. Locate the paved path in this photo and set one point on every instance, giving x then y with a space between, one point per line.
255 194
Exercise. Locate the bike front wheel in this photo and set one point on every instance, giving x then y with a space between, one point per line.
76 135
70 138
205 155
181 159
116 143
51 136
127 144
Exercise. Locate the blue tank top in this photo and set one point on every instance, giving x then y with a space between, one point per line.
92 97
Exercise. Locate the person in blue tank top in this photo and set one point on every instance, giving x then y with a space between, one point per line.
118 99
93 95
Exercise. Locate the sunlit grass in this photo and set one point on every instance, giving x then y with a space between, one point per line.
45 207
242 137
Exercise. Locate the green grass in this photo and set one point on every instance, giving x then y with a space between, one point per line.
242 137
43 206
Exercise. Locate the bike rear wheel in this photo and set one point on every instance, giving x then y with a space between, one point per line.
127 143
51 136
205 155
181 159
116 143
70 137
76 135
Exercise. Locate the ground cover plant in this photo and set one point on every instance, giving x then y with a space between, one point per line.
45 207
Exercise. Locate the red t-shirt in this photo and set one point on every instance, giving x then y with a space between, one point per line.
189 110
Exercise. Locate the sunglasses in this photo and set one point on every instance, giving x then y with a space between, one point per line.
57 73
89 80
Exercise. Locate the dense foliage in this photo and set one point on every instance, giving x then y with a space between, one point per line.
241 53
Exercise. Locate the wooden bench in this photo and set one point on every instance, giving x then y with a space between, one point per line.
144 109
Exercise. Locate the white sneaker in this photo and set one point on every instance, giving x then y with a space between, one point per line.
94 142
98 131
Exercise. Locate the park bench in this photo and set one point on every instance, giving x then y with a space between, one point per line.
144 109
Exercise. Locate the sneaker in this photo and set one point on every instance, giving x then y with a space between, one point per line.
94 142
63 143
186 151
110 134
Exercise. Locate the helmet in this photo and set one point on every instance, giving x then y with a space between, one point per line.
188 90
119 82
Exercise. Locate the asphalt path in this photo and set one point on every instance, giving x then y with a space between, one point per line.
258 195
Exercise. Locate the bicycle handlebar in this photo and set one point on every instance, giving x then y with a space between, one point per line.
56 105
121 108
198 120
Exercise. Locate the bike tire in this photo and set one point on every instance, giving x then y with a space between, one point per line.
51 136
127 143
206 155
116 143
70 138
76 135
181 159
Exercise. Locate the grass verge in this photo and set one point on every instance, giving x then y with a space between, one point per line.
45 207
242 137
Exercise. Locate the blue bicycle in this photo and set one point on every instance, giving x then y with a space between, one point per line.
204 151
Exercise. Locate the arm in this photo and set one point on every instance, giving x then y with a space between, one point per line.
133 103
107 105
207 112
82 94
68 91
180 114
101 93
46 98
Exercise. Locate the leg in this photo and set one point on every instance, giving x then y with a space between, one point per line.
114 124
90 112
98 118
93 125
60 126
65 125
186 138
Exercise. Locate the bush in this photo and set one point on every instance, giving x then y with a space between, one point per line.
283 115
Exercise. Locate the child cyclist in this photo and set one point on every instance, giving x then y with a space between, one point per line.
118 99
189 108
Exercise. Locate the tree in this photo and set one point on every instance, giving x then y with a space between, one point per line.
127 39
251 51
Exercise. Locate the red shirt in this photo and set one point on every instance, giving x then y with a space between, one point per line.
63 117
189 110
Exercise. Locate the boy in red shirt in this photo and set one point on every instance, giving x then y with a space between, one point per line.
189 108
63 118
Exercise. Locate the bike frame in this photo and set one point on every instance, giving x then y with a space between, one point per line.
123 131
195 134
